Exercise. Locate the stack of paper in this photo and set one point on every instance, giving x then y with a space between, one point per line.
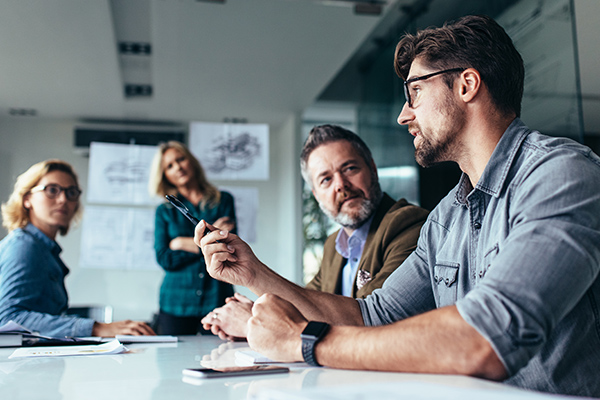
113 347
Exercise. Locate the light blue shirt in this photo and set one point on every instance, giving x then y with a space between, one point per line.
32 285
351 249
519 256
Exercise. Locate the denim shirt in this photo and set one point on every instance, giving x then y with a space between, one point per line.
519 256
32 285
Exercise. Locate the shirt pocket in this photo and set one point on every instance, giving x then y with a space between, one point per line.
445 277
488 257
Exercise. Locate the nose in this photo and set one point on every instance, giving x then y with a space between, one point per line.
340 182
62 196
406 115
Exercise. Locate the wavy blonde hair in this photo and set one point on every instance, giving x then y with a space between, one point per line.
160 185
14 213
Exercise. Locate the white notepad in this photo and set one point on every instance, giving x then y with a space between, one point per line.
146 339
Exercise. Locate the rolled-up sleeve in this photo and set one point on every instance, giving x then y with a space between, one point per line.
546 264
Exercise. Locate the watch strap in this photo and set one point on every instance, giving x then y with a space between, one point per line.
309 341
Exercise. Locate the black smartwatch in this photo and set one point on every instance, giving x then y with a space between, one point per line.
310 336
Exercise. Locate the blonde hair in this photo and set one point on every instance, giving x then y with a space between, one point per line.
160 185
14 213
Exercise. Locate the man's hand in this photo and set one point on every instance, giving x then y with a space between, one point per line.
228 258
121 328
230 321
275 327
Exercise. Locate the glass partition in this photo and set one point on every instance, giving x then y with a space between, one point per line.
543 32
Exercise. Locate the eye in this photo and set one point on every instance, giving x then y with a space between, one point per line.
325 181
52 190
72 192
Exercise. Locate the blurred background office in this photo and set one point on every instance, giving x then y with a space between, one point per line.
140 71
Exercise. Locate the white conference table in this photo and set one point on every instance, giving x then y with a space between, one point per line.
153 371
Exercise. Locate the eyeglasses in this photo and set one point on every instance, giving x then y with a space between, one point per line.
422 78
53 190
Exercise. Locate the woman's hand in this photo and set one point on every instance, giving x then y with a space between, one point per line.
126 327
184 244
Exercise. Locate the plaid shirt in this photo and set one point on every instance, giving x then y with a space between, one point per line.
187 289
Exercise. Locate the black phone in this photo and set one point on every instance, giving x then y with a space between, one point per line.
207 373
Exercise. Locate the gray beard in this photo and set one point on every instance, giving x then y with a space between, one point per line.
367 208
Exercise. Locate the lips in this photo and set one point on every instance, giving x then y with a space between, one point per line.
348 197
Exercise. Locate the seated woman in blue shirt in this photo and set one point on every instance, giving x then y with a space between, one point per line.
187 293
44 201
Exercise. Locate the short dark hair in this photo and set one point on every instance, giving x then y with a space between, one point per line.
322 134
473 41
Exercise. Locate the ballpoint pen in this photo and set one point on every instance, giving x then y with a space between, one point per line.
184 210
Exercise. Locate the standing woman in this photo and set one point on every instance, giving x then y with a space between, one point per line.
43 203
187 293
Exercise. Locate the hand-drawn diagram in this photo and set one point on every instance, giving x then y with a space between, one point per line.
235 153
246 210
118 238
126 171
231 151
119 174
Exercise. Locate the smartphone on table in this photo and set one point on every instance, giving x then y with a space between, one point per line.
207 373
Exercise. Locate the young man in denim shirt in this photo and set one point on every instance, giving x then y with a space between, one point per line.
504 281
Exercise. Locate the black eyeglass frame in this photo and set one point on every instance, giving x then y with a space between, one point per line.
422 78
72 193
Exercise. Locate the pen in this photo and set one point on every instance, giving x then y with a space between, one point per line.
184 210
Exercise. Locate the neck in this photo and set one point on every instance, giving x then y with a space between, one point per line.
481 136
348 231
47 230
190 192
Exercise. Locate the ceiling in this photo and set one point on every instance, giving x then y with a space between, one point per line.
255 60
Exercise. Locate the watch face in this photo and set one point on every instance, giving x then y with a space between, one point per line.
315 329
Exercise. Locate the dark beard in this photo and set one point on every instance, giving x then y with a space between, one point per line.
430 153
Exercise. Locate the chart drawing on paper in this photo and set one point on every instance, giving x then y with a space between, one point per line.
118 238
231 151
119 174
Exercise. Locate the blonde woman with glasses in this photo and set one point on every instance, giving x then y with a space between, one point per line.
43 203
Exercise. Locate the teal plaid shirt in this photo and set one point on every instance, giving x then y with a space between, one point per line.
187 289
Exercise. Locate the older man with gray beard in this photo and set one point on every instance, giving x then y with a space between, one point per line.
377 233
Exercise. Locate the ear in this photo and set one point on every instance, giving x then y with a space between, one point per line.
469 84
26 202
374 168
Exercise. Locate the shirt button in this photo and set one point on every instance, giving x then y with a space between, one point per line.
355 259
198 292
477 225
201 275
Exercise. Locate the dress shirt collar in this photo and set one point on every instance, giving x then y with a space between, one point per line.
495 173
342 240
52 245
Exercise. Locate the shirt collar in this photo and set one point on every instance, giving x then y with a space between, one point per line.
342 240
52 245
494 175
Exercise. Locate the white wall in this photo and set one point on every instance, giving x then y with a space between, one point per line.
134 294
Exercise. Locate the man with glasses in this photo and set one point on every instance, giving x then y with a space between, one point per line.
504 282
